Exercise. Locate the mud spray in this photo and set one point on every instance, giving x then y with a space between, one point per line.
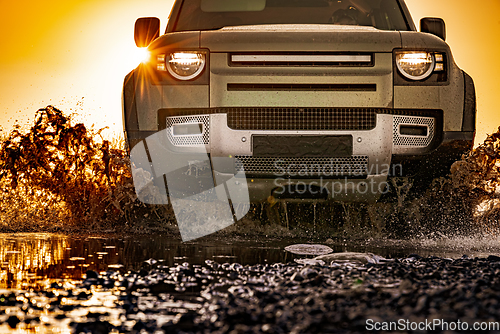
62 176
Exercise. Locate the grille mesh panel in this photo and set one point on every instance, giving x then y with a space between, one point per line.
189 140
413 141
306 167
301 119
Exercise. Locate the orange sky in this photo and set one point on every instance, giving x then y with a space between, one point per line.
74 54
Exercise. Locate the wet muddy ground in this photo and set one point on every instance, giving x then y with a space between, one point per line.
52 283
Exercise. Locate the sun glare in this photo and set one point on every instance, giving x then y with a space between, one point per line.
141 55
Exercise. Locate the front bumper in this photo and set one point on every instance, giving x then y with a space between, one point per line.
376 153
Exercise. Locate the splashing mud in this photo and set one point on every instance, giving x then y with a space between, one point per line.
61 176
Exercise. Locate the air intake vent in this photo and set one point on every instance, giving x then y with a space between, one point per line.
413 131
301 119
188 130
355 166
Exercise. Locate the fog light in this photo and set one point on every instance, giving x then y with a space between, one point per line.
187 129
413 130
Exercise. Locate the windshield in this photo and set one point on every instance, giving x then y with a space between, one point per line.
215 14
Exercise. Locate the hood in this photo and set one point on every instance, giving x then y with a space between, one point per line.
300 38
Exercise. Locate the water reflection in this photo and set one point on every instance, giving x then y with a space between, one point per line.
28 260
35 260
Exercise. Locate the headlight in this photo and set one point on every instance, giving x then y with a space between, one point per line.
415 65
185 65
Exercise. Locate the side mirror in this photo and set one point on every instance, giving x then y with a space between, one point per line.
433 25
147 29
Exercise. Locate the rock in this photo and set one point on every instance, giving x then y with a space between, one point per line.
232 275
13 321
91 274
308 249
311 262
308 272
421 304
297 277
95 327
362 258
414 256
84 295
493 258
406 286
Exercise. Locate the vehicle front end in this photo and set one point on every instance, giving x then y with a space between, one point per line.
306 110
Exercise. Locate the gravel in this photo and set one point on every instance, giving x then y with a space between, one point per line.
317 297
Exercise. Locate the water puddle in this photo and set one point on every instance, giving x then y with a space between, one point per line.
30 260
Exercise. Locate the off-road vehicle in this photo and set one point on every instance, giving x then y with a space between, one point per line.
308 99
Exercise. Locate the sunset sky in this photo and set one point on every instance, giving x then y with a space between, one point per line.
74 54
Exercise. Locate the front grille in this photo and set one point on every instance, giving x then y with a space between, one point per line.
302 59
301 118
413 140
233 87
355 166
